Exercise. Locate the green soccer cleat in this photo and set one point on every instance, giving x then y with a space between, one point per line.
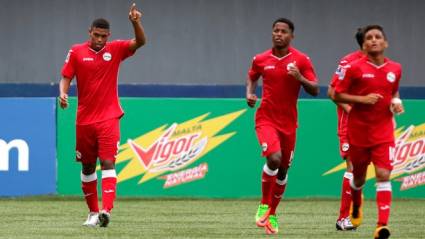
262 215
272 226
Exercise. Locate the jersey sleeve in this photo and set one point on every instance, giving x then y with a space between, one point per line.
307 70
345 79
68 69
338 73
255 71
397 83
124 48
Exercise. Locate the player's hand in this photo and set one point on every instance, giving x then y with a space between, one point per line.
134 15
63 100
396 106
251 99
294 71
372 98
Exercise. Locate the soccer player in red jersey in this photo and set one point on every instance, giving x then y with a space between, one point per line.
284 70
343 222
95 65
370 85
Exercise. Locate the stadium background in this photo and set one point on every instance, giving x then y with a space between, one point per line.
196 49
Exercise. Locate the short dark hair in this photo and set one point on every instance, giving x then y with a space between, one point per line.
287 21
100 23
374 27
359 36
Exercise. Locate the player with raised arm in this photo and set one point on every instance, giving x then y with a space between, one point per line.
95 66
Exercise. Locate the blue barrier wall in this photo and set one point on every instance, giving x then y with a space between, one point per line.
27 146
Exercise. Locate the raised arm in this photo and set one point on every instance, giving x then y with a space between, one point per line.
139 33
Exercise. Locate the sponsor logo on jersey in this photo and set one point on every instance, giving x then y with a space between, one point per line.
88 59
167 151
269 67
408 158
107 56
368 75
391 77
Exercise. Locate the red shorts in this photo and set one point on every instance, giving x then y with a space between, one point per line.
344 146
272 141
98 140
380 155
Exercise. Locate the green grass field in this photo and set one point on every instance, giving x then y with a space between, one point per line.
56 217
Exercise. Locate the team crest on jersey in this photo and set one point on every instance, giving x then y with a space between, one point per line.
78 154
345 147
290 65
264 146
391 77
107 56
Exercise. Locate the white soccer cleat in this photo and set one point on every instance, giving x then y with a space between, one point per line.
92 220
344 224
104 218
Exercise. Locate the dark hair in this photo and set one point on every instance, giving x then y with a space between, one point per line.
287 21
359 36
100 23
373 27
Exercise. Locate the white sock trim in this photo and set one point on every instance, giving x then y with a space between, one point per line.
109 173
282 182
348 175
268 171
354 186
383 186
88 178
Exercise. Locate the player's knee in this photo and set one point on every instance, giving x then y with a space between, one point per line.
107 164
88 168
274 161
382 174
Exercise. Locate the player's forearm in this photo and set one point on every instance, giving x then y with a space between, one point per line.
347 98
310 87
251 86
331 94
139 36
64 85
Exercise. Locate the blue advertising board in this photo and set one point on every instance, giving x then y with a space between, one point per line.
27 146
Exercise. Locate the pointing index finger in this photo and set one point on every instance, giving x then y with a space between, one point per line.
133 7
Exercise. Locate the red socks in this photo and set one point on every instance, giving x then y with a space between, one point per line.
268 180
109 185
279 189
344 209
383 202
356 194
89 186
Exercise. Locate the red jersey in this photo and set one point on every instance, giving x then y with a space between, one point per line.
342 115
280 90
370 125
97 79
